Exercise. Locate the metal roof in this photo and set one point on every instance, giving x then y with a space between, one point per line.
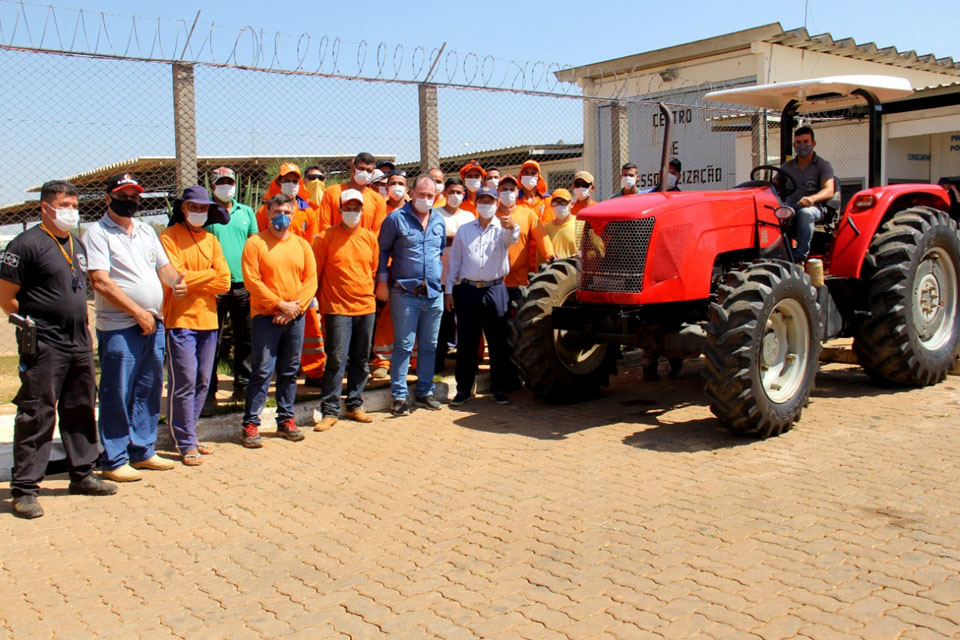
150 163
772 33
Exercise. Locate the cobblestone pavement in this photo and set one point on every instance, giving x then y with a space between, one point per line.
632 516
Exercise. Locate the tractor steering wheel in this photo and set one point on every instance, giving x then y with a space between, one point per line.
786 183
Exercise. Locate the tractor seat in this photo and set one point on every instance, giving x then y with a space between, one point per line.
832 207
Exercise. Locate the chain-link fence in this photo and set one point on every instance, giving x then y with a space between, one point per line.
88 96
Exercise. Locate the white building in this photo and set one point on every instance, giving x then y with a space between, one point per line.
719 145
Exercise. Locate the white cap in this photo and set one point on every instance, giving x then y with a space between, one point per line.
350 194
377 175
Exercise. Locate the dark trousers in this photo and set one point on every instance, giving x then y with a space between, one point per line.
447 335
236 303
276 347
481 311
347 344
53 380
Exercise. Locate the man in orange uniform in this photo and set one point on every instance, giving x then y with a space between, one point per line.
492 179
440 179
583 188
304 224
472 175
347 258
191 320
280 273
523 253
374 206
533 191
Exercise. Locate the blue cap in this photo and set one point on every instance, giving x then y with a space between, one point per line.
488 191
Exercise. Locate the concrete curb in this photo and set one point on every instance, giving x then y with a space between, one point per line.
227 426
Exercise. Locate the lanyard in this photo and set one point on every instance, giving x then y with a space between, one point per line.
68 258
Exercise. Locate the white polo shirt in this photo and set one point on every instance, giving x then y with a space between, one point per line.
132 262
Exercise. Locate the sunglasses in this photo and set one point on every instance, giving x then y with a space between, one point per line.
314 176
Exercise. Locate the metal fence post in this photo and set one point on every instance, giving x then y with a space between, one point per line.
429 128
619 142
185 125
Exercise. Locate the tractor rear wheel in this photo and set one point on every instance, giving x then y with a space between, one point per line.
763 343
911 268
559 365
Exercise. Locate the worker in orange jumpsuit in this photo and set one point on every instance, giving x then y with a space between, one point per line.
314 179
374 205
472 175
533 191
523 253
383 333
439 179
304 224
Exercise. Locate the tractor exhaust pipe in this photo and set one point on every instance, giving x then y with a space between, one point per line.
667 140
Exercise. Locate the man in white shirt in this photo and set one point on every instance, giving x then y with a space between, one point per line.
474 288
454 217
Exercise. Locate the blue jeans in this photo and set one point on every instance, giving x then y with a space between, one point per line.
189 364
347 340
131 383
415 318
807 217
273 346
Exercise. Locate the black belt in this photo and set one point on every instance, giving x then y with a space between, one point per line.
236 285
481 284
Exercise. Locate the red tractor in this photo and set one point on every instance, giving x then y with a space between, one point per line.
712 273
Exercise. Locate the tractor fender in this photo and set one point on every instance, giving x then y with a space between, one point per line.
857 227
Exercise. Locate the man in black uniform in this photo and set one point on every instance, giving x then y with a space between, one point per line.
42 276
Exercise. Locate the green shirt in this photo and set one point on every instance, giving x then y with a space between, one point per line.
233 235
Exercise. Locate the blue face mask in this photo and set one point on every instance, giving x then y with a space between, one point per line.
280 222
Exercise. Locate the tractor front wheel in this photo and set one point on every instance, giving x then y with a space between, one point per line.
763 343
560 365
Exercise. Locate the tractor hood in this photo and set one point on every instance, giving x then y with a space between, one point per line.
646 205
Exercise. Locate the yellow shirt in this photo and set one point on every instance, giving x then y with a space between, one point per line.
564 236
199 258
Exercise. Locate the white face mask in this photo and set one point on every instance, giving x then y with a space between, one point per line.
561 211
423 204
508 198
493 182
66 219
197 219
529 182
472 184
362 177
582 193
671 181
351 218
383 191
454 199
628 182
439 187
290 189
486 211
224 192
397 192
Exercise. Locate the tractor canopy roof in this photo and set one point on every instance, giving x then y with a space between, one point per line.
816 94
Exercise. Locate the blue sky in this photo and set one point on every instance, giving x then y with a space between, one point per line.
67 115
570 32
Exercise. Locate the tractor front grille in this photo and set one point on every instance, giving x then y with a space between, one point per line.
613 261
